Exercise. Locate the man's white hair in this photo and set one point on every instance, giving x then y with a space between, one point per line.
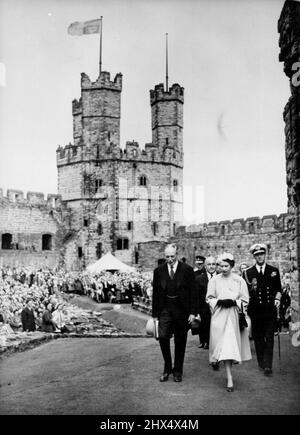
210 259
171 246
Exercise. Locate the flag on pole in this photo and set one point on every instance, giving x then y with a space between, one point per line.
84 27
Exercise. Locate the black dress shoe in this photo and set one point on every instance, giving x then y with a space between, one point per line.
206 346
267 371
177 377
164 377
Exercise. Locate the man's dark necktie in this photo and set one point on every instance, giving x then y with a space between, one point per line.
172 273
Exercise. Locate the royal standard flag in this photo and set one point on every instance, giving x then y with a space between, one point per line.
84 27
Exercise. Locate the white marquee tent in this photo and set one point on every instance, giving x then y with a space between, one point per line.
109 262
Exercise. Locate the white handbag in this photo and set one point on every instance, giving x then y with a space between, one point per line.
152 328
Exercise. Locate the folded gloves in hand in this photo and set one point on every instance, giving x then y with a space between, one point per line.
226 303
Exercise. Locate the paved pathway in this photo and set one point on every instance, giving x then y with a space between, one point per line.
121 376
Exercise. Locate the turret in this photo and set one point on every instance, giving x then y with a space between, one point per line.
98 111
167 118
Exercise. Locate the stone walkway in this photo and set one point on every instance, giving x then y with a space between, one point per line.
121 376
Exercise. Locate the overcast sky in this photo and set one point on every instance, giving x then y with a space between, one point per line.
224 53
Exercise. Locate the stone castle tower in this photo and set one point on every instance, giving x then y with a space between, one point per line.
120 197
289 43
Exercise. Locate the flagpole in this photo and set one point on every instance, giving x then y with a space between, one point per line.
167 77
100 57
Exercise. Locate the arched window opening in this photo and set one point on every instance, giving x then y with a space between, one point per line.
46 242
143 181
6 241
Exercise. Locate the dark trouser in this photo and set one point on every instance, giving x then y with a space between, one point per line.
173 320
204 324
263 329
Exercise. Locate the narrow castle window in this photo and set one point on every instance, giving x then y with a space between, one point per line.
154 228
160 207
99 229
99 250
143 181
108 135
167 141
46 242
136 254
80 254
174 229
175 185
251 228
6 241
223 230
129 226
85 222
149 209
98 185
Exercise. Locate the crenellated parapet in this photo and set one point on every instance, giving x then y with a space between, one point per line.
175 92
252 225
32 199
74 154
102 82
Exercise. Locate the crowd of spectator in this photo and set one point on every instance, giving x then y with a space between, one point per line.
35 299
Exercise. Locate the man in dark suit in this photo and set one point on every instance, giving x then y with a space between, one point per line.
174 304
201 282
264 287
28 318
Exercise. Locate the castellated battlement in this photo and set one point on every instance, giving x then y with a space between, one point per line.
102 82
77 106
151 153
175 92
251 225
17 197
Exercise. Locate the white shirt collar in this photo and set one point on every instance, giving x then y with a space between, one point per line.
209 275
258 267
174 267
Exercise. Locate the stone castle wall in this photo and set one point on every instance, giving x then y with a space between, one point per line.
234 236
24 221
289 43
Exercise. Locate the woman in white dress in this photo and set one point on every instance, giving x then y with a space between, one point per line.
227 293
